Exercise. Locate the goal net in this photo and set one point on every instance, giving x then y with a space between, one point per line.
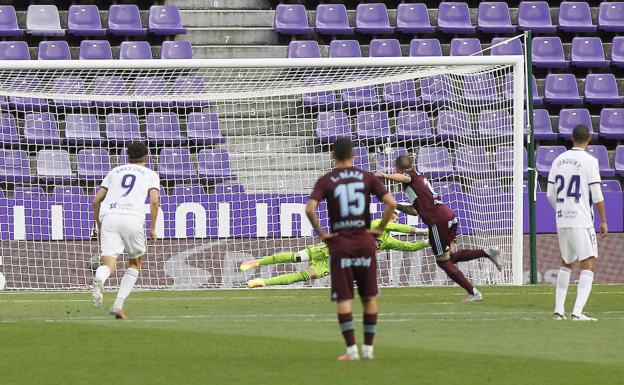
238 145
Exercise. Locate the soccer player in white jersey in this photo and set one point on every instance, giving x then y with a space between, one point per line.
119 209
573 188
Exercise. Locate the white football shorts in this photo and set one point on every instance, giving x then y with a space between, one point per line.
121 233
577 243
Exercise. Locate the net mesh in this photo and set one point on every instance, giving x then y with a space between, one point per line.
238 151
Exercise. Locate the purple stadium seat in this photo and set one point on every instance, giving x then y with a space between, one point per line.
400 94
508 47
344 48
54 165
612 123
14 166
82 129
186 86
545 156
135 50
53 50
322 98
425 47
8 22
602 89
14 50
61 192
575 16
413 18
600 153
332 124
163 128
41 128
611 16
495 123
113 86
572 117
151 87
165 20
214 164
176 50
84 20
503 159
95 50
122 128
228 188
468 46
303 49
72 85
188 190
360 96
332 19
481 88
542 126
361 159
43 20
535 16
454 18
587 52
125 20
373 127
617 51
619 160
471 159
447 191
561 89
547 52
385 161
384 48
436 89
453 124
175 163
8 129
93 163
372 19
26 83
413 125
202 128
435 162
493 17
486 188
292 19
29 193
611 185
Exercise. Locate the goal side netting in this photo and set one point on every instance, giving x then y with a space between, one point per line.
238 145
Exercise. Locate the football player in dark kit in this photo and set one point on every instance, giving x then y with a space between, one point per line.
351 242
441 222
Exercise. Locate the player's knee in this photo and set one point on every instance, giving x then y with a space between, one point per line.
589 264
135 263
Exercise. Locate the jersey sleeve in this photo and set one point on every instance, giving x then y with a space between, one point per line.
106 181
399 228
318 192
154 182
593 176
395 244
377 188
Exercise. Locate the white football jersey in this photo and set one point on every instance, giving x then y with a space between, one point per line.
571 175
128 186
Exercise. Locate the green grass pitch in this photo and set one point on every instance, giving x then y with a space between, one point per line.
425 336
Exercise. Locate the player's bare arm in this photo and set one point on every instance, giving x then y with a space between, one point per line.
604 229
310 210
97 203
407 209
154 206
395 177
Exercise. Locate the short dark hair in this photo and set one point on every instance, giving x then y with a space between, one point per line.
342 148
404 162
136 152
580 134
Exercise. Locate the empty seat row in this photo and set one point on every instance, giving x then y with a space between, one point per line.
545 155
84 20
95 50
611 124
453 17
120 128
94 164
375 126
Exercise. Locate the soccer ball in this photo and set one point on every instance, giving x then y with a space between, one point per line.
94 262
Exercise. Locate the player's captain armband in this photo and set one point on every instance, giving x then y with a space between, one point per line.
596 192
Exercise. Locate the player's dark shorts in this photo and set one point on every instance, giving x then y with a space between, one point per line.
441 234
353 260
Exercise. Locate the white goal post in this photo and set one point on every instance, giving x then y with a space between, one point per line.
238 145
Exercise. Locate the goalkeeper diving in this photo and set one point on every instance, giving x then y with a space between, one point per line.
318 255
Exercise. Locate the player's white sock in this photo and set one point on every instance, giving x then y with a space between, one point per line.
353 352
367 352
102 273
582 293
125 287
563 280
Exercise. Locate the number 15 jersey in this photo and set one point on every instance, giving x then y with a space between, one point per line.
571 175
128 186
